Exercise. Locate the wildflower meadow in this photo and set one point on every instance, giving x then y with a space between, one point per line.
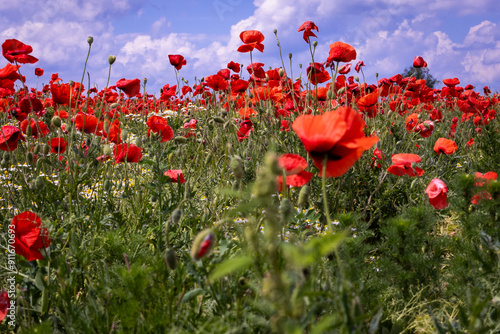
253 200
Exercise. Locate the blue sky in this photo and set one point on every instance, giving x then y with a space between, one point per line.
459 38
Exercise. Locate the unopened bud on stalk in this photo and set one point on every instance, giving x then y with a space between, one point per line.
303 196
138 142
281 72
28 129
180 139
145 81
275 31
124 135
111 59
107 150
29 158
218 119
56 121
39 182
90 40
237 168
170 258
356 78
290 56
176 216
106 126
46 149
286 209
114 105
315 43
341 91
203 244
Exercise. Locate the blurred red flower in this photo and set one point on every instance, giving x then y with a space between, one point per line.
234 66
216 82
244 129
57 145
129 87
252 39
175 175
437 191
405 164
341 52
306 27
425 129
4 304
14 50
9 136
337 136
38 129
30 235
177 61
317 74
159 125
88 124
294 166
127 152
445 146
38 72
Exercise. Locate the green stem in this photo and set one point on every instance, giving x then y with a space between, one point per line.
323 188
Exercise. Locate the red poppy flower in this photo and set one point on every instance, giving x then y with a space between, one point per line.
159 124
234 66
337 135
38 129
252 39
345 69
38 72
411 122
57 145
216 82
294 166
246 113
63 94
437 191
378 156
14 50
127 152
368 104
4 304
32 103
404 164
177 61
114 134
359 65
425 129
129 87
306 27
445 146
451 83
30 235
88 124
186 89
317 74
418 62
244 129
239 86
341 52
175 175
9 136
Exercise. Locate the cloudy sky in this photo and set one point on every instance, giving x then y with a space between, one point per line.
457 38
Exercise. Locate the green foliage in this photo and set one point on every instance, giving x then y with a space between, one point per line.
421 73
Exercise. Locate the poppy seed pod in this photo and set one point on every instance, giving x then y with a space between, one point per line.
39 182
111 59
286 209
176 216
56 121
29 158
90 40
203 244
303 196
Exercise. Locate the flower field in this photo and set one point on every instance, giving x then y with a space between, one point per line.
250 201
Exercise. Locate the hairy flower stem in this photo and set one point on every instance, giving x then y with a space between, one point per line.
323 188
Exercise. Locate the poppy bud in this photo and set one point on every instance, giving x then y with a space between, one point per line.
290 56
145 81
203 244
114 105
4 163
28 130
315 43
90 40
187 190
170 258
29 158
286 209
111 59
341 91
56 121
356 78
281 72
124 135
106 126
176 216
107 150
46 149
303 196
237 168
36 150
138 142
107 185
39 182
218 119
180 139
